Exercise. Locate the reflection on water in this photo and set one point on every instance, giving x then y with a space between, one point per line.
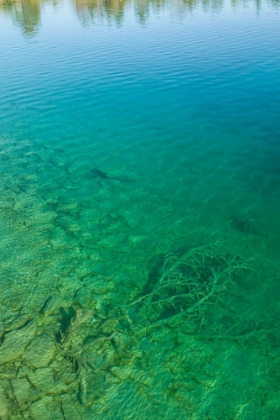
27 13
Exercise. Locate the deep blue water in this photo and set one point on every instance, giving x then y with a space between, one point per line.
140 184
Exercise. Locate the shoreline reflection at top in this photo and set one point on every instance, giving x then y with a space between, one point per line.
27 13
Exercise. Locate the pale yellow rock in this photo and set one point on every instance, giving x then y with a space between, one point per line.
41 351
16 341
21 389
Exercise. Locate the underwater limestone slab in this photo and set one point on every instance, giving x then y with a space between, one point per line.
142 377
43 380
2 328
69 409
137 239
42 218
16 341
110 379
112 240
51 305
40 351
17 322
72 208
99 286
60 237
55 365
84 297
8 390
4 409
7 372
68 377
21 389
38 410
121 372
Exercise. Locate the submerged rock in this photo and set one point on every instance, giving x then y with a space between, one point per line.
41 351
17 323
16 341
21 389
69 409
43 380
3 406
121 372
38 410
84 297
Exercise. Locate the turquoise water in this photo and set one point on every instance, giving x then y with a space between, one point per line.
140 197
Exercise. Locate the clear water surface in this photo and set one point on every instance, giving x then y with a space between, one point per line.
140 201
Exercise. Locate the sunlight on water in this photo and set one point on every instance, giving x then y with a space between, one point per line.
140 196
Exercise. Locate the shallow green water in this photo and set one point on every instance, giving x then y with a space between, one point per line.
140 197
